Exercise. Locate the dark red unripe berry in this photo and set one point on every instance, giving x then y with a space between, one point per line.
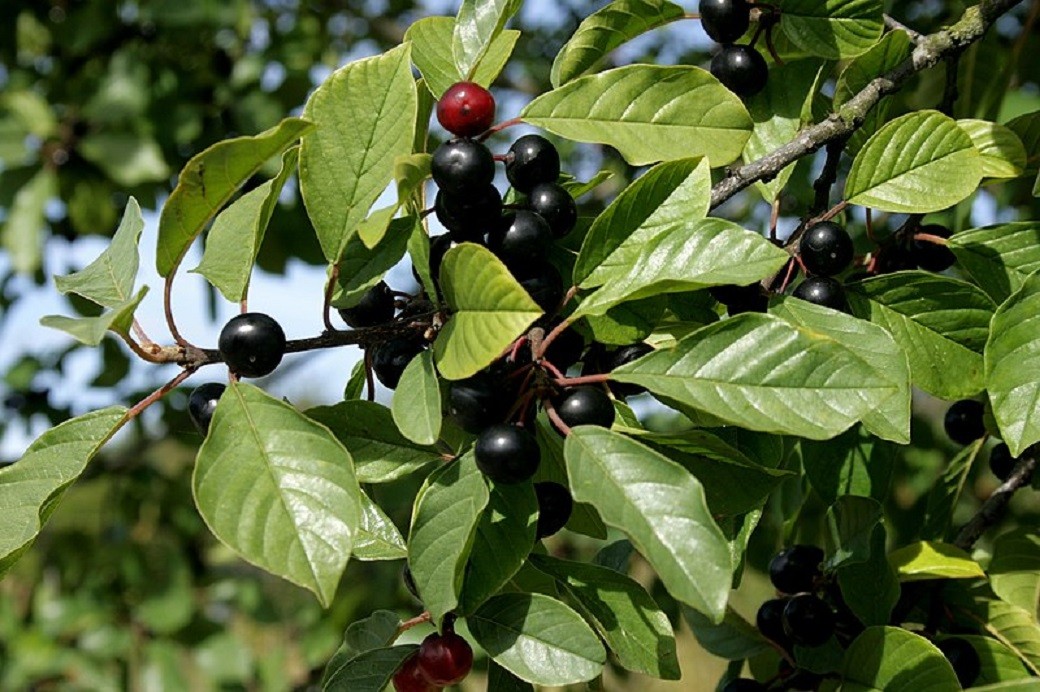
470 216
1001 463
390 358
555 505
476 402
929 255
808 621
555 205
741 69
586 405
202 403
725 20
770 622
461 166
964 659
375 307
520 238
744 685
543 283
507 454
739 299
823 291
466 109
445 659
252 344
532 160
409 677
795 569
963 421
825 249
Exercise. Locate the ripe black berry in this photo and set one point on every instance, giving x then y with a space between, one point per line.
739 299
555 205
507 454
822 290
741 69
586 405
468 217
1001 463
808 621
725 20
520 238
770 622
621 356
795 569
390 358
744 685
893 258
202 403
375 307
439 247
825 249
466 109
932 256
964 659
476 402
445 659
543 283
461 166
565 350
963 421
252 344
555 505
532 160
409 677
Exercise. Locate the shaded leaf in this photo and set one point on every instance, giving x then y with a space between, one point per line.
895 660
999 258
832 29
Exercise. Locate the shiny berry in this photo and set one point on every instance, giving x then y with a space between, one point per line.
409 677
532 160
390 358
507 454
621 356
739 299
930 255
202 403
825 249
466 109
741 69
476 402
375 307
520 238
555 205
543 283
770 622
823 291
252 344
461 166
964 659
795 569
963 421
555 505
808 621
586 405
744 685
1001 463
725 20
470 216
445 659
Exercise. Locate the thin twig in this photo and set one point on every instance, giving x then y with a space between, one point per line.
993 508
584 379
326 306
168 310
893 24
829 175
158 394
413 622
554 416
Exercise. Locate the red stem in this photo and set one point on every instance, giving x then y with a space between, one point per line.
550 411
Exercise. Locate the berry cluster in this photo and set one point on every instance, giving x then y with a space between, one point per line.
825 250
443 659
964 423
741 68
921 249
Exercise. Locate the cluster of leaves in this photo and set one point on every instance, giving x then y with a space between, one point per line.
795 410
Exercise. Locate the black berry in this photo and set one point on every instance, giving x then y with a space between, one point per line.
964 659
741 69
929 255
520 238
770 622
507 454
621 356
252 344
543 283
1001 463
390 358
555 205
532 160
461 166
739 299
202 403
808 621
795 569
476 402
823 291
566 349
963 421
466 109
744 685
375 307
825 249
893 258
725 20
469 216
555 505
586 405
439 247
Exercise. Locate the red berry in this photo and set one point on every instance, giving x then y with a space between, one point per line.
445 659
409 677
466 109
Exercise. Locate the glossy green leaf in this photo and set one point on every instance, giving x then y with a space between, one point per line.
91 330
1003 155
32 488
648 113
623 613
660 507
109 279
733 639
431 52
999 258
537 639
943 497
234 238
444 525
416 406
763 373
491 310
918 163
381 453
604 30
21 235
209 181
850 522
895 660
584 519
832 29
364 115
871 588
933 560
278 489
941 323
377 537
477 25
854 463
370 671
1012 354
128 158
1014 571
1015 628
362 267
505 537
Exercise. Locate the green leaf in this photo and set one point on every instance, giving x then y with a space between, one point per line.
362 267
851 521
648 113
799 382
234 239
31 110
933 560
109 279
733 639
91 330
381 453
660 507
832 29
444 525
623 613
1014 571
416 406
364 115
1012 354
893 48
504 539
419 252
128 158
501 680
537 639
918 163
895 660
941 323
854 463
370 671
871 588
943 497
278 489
22 233
1003 155
376 631
1012 626
208 182
31 488
602 31
1027 129
629 322
999 258
997 664
491 310
377 538
431 39
584 519
477 25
